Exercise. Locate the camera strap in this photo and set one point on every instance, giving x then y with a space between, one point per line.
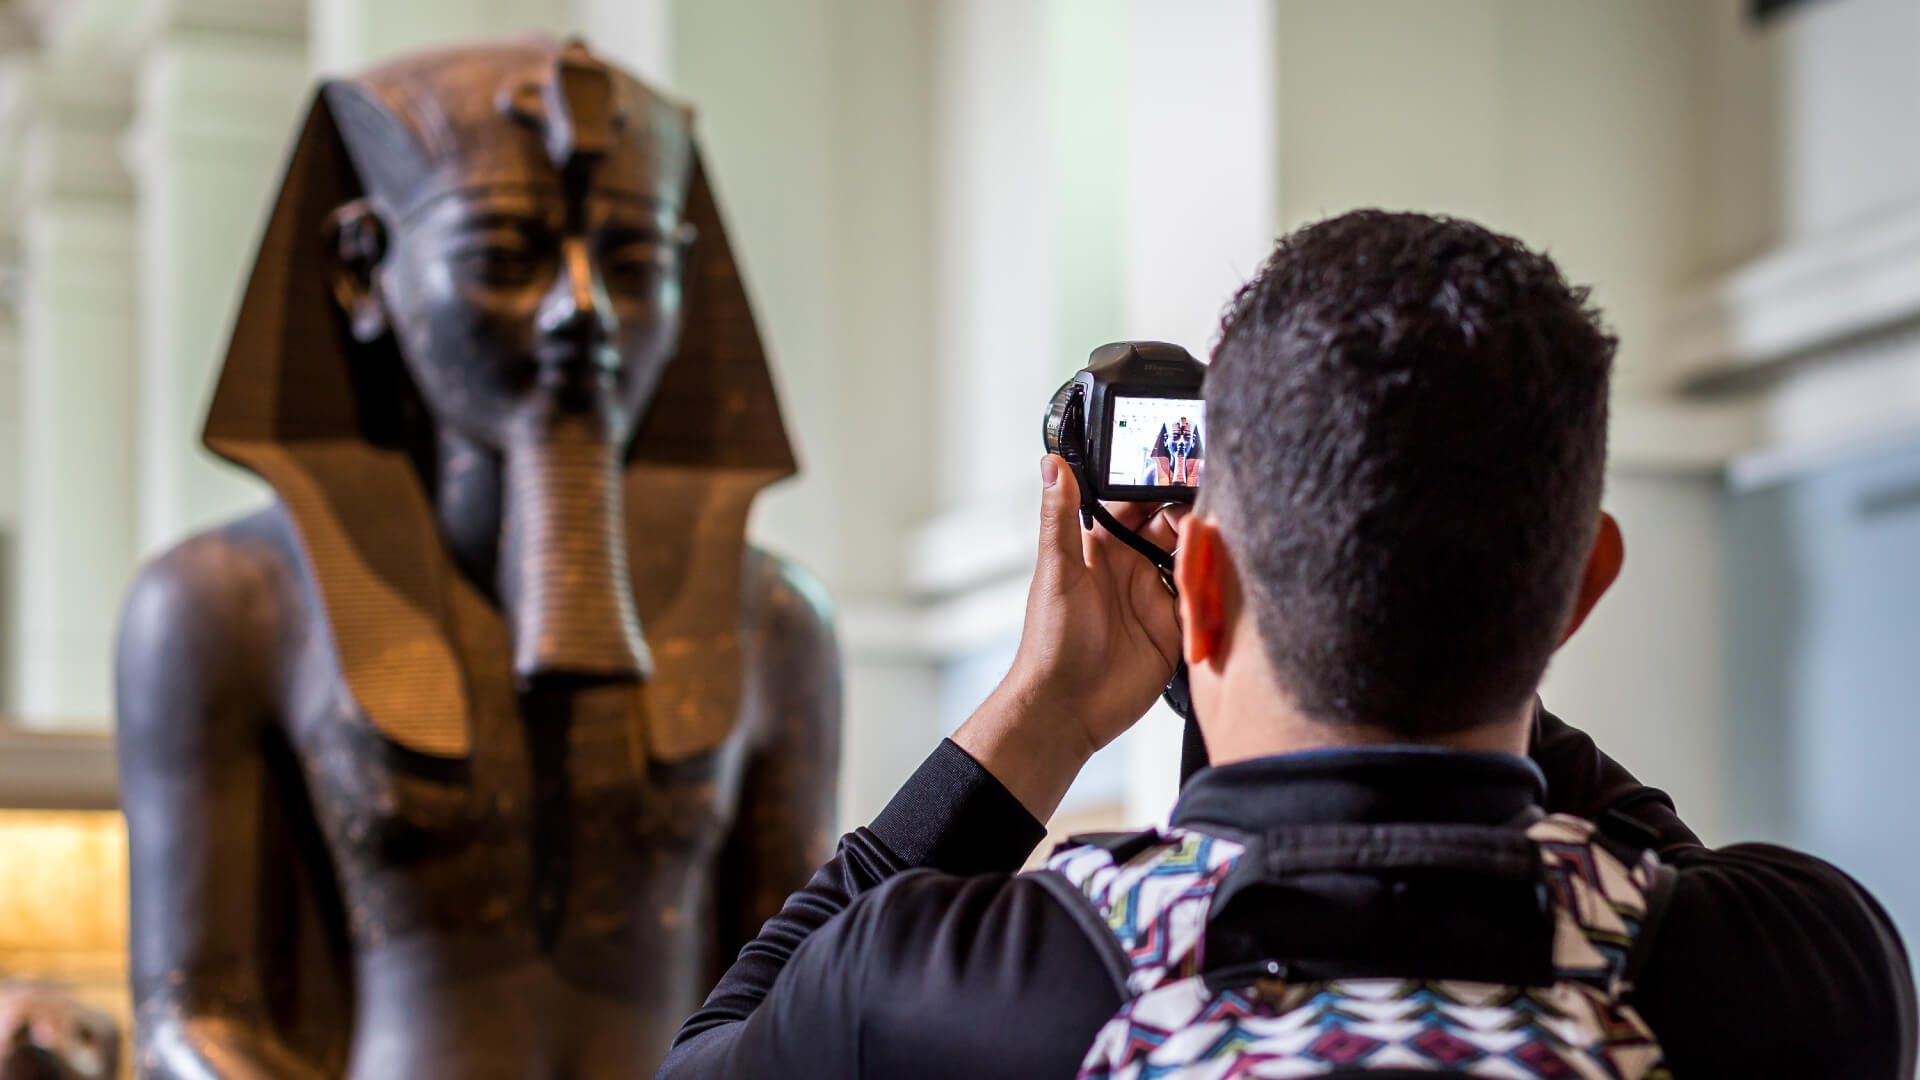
1153 553
1177 695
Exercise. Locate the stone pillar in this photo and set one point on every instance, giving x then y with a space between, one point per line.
75 550
218 104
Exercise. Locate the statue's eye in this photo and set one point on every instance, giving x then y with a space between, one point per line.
636 268
498 265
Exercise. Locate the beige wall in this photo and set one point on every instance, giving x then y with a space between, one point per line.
1573 126
1578 128
814 118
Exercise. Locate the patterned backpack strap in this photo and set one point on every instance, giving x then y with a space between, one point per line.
1152 893
1175 1023
1607 903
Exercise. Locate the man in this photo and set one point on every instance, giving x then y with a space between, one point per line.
1401 523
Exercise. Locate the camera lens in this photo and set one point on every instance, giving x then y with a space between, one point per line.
1056 417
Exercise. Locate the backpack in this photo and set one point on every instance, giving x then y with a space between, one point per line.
1154 894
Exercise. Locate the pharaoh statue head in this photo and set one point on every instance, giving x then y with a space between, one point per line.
507 257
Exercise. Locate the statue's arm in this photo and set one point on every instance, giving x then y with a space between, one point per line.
194 705
786 826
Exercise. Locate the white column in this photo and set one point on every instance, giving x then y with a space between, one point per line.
1199 178
76 546
217 108
9 396
996 352
9 453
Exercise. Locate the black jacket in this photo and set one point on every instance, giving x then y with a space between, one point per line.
918 953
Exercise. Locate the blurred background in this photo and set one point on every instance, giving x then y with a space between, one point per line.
941 206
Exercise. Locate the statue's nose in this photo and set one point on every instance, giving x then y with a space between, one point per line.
574 318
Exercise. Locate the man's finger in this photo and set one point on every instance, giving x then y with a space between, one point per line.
1059 518
1158 523
1131 514
1163 529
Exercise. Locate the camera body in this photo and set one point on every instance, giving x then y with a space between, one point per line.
1132 426
1132 423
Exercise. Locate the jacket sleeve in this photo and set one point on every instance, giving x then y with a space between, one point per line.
929 976
1586 783
951 815
1768 961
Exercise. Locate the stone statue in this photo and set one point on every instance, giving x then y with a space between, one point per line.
47 1035
476 753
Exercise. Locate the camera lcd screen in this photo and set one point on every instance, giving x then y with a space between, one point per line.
1157 442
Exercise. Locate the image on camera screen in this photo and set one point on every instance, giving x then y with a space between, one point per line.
1157 442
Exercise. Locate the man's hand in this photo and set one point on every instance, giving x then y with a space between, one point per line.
1100 642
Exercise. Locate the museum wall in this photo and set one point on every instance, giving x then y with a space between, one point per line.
941 205
1816 301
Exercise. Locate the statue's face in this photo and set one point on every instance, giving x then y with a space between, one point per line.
535 324
509 306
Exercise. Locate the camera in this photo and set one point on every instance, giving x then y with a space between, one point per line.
1132 424
1132 427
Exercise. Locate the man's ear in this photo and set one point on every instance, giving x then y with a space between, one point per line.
1204 575
1603 567
358 241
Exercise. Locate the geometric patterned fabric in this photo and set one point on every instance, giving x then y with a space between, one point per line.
1173 1027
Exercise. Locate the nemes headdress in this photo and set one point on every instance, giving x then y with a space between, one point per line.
298 404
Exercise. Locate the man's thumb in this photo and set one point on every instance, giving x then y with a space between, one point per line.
1059 515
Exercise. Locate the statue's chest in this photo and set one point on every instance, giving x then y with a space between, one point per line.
553 822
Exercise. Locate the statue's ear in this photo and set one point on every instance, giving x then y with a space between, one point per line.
358 241
389 161
715 406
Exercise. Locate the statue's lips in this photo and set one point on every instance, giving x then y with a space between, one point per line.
570 357
577 377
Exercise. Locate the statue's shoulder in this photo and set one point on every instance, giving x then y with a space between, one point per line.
249 557
792 659
221 598
780 596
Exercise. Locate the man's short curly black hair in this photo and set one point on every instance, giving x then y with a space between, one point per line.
1408 427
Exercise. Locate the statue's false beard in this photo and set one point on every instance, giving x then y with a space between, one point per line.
563 572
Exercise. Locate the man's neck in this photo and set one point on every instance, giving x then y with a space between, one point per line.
1249 721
